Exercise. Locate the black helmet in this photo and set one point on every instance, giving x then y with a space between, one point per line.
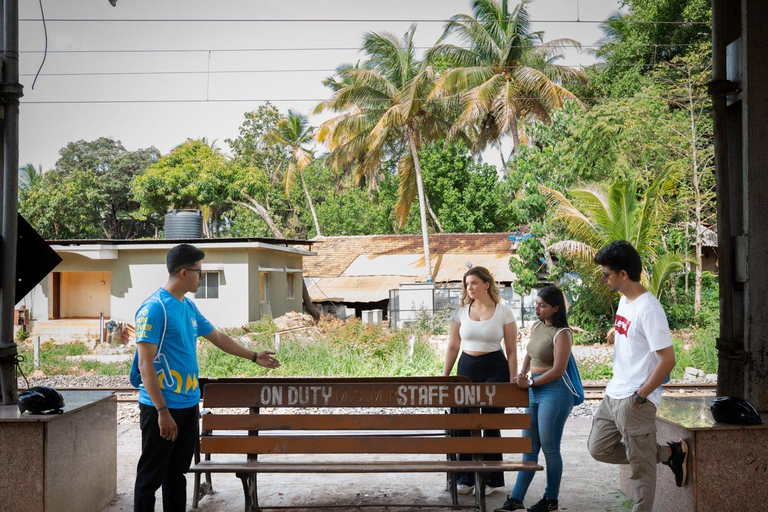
731 409
41 400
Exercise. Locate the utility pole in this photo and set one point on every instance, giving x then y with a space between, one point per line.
10 93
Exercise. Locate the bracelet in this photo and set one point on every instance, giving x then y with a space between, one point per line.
163 408
254 356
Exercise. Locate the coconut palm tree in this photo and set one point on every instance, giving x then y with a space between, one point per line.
597 217
30 177
294 132
383 114
503 71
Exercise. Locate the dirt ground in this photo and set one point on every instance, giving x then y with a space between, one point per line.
588 486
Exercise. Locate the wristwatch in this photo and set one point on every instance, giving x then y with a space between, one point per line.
638 399
530 382
254 356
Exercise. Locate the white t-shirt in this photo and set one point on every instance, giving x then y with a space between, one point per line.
641 330
482 335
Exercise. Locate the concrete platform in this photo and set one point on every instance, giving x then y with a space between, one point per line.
59 462
588 486
727 464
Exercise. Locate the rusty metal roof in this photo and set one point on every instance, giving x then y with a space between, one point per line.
365 268
336 253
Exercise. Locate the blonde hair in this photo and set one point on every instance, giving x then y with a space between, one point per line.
485 276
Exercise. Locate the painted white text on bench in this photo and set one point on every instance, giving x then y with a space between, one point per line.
427 395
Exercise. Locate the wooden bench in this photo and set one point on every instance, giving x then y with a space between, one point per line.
387 432
204 488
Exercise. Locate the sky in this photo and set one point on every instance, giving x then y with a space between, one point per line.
168 80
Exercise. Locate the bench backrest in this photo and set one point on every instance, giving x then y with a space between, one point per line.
373 431
203 381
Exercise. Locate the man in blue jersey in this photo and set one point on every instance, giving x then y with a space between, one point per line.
167 327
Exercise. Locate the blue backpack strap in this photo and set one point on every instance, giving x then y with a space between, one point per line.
135 376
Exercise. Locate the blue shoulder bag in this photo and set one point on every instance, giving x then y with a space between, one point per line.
135 377
573 379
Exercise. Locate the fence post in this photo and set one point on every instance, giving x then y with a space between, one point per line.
37 352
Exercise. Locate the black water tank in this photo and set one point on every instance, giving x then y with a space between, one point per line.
183 224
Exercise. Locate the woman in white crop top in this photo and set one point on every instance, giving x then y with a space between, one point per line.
478 328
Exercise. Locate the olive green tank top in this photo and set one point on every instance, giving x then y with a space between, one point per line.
541 346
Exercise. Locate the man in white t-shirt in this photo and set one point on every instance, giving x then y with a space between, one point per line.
624 426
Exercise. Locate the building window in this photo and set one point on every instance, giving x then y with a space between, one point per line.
209 286
291 281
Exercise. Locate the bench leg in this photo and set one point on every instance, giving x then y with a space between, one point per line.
249 489
480 491
452 488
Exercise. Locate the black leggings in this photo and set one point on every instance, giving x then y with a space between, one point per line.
490 367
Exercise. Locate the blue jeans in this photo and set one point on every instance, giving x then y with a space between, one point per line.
550 405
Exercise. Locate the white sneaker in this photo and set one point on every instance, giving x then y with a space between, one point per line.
464 489
489 490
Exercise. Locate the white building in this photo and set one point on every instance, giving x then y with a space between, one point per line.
243 280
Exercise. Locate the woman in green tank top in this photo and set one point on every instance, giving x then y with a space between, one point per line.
548 351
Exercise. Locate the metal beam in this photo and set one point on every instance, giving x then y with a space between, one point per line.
10 92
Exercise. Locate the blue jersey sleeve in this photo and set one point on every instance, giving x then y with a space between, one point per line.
204 327
149 322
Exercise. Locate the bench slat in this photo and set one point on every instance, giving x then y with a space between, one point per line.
352 444
366 395
365 422
363 467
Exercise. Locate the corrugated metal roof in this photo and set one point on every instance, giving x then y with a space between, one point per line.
353 288
336 253
364 269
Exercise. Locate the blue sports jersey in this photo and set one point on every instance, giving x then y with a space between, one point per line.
176 363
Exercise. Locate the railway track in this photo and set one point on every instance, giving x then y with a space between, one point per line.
591 391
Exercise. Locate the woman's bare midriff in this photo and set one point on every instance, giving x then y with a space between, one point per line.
540 370
475 354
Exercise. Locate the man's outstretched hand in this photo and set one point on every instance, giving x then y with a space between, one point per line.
266 360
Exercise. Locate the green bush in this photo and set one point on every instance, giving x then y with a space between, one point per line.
680 310
428 322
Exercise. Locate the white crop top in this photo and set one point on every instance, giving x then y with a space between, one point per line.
482 335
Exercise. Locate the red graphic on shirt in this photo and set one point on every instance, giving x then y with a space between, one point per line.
622 325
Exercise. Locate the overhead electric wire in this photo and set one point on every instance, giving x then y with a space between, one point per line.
244 71
261 100
310 49
332 20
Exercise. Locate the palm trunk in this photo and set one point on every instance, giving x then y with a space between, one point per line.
318 233
422 209
262 212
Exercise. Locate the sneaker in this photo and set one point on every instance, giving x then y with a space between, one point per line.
489 489
544 505
464 489
678 461
510 504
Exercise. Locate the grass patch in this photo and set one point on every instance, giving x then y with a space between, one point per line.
700 354
591 369
53 361
342 349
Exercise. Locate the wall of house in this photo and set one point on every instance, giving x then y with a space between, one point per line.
85 294
277 265
139 272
